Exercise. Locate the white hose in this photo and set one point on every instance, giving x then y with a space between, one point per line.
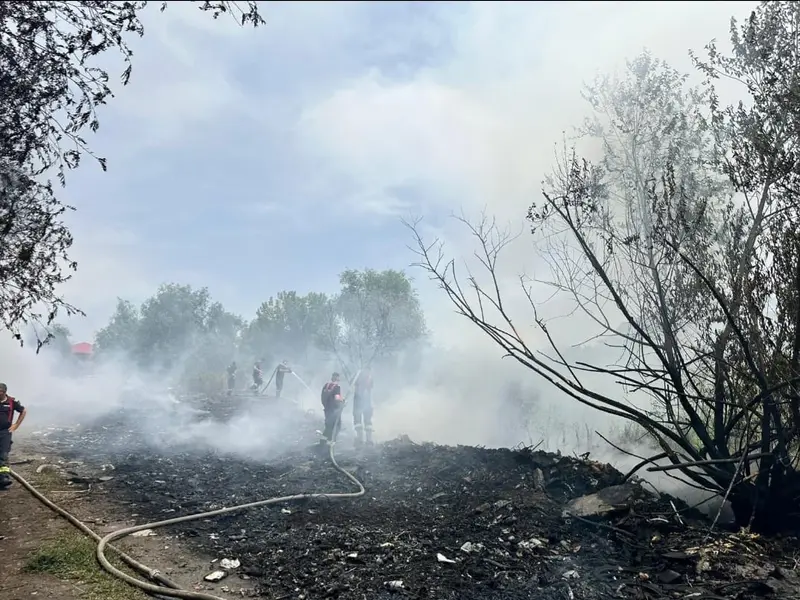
170 589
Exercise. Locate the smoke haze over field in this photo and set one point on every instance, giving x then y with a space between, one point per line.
253 162
351 115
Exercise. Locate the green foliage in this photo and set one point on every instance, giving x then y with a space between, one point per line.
177 328
287 326
71 556
373 317
118 336
182 331
50 87
50 81
58 339
34 245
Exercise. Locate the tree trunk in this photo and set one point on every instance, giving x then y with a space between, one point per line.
769 510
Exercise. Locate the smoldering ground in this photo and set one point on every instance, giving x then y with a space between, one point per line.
455 397
499 534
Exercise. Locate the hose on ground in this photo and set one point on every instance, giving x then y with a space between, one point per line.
131 562
169 588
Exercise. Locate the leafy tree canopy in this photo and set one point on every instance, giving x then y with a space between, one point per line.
373 317
287 326
177 324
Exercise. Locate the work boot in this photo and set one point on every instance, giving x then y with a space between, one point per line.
369 437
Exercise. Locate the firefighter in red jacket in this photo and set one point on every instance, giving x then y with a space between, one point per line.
8 406
332 403
362 407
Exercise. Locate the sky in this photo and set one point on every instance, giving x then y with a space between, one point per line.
253 161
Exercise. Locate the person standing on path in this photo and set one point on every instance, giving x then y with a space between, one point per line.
8 406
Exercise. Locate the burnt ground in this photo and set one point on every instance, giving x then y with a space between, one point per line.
436 522
61 557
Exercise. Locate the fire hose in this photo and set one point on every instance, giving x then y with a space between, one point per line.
167 587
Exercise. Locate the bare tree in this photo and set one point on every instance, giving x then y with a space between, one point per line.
691 279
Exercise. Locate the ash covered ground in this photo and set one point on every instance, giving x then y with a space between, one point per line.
436 522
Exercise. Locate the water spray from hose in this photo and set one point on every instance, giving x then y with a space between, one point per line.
305 385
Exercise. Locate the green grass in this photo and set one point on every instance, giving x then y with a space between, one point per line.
48 481
70 556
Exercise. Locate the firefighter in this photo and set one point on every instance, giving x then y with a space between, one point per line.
258 375
8 406
362 407
280 372
332 403
232 368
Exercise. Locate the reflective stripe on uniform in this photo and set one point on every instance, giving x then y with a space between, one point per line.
5 470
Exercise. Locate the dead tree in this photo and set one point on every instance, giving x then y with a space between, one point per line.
714 436
693 283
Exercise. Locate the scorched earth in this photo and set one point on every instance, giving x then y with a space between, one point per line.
436 522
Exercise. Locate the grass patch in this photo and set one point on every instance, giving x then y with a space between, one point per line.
71 556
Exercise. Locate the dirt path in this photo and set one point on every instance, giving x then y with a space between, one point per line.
43 556
27 526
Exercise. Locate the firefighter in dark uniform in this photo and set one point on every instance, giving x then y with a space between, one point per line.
8 406
332 403
232 368
280 372
362 407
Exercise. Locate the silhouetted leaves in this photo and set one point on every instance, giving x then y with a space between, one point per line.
34 244
51 84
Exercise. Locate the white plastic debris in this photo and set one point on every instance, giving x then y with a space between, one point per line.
144 533
470 547
353 555
216 576
570 575
286 511
229 563
443 559
394 585
531 544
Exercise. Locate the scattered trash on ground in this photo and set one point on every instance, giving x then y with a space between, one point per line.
436 523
